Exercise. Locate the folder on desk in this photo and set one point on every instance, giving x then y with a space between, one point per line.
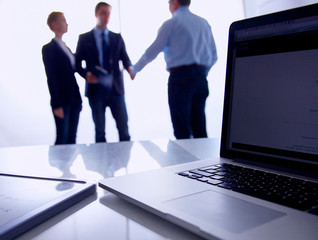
28 201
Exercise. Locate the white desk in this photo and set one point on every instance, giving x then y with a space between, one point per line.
103 215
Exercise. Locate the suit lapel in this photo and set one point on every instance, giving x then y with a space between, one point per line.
60 51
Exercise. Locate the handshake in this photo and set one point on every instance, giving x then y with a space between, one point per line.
91 78
132 76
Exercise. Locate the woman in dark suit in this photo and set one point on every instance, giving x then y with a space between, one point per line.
59 62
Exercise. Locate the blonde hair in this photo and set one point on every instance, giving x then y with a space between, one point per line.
53 18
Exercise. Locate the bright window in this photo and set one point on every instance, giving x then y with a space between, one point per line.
25 113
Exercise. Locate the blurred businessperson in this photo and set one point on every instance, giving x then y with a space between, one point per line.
102 50
190 52
59 62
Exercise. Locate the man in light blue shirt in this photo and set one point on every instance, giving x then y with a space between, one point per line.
189 50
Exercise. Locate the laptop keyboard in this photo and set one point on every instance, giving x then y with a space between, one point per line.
287 191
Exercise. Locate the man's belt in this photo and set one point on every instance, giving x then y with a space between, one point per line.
184 67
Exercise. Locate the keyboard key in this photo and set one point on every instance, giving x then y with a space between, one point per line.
203 179
226 185
221 173
218 177
209 168
214 181
212 171
184 174
198 172
193 176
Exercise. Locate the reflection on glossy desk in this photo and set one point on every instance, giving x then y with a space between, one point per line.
104 216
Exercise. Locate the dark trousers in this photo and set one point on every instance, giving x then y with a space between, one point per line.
187 93
66 128
108 98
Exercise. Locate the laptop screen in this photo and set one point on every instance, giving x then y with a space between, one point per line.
271 94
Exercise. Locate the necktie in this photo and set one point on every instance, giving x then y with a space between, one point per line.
105 52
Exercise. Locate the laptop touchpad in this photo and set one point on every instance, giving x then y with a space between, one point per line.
229 213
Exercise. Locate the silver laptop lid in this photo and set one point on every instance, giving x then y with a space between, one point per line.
271 93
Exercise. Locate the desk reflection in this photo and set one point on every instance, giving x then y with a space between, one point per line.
89 162
107 159
171 155
94 162
63 161
97 161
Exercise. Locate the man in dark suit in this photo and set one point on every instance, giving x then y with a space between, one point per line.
59 64
102 50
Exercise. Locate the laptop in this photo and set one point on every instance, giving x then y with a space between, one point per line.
264 184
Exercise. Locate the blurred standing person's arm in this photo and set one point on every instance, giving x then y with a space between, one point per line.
80 56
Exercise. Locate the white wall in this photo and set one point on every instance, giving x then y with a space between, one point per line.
260 7
25 113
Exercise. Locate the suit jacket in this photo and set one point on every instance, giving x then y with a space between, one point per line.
60 76
87 51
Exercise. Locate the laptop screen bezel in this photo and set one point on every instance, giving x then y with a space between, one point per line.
282 158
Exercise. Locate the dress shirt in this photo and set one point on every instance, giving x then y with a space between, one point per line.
185 39
98 38
66 50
